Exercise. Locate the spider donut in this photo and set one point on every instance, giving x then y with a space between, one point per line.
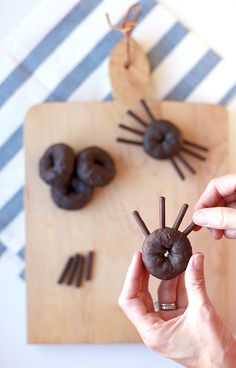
166 251
163 140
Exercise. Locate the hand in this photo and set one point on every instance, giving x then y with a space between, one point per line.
193 334
216 208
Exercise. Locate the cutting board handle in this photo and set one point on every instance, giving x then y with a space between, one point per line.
130 84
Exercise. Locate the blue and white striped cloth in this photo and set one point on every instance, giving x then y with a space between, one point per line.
61 52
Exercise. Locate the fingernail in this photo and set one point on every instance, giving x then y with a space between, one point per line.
198 261
200 218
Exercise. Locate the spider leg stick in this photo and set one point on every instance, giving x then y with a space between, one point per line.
187 165
88 265
65 270
129 141
141 223
136 131
73 269
162 212
200 157
177 168
180 216
137 118
189 143
189 228
79 271
148 111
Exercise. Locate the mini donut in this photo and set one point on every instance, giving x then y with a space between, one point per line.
95 166
74 196
57 164
162 139
166 252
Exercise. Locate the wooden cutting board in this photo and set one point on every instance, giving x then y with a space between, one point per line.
62 314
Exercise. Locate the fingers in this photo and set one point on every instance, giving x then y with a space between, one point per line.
181 293
217 233
172 291
197 228
144 292
133 278
195 281
144 279
167 291
230 234
216 218
132 299
217 192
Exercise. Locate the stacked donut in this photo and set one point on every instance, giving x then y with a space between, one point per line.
74 177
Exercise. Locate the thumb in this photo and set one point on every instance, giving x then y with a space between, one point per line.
216 218
195 280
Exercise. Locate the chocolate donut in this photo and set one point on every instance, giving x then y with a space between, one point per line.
162 139
166 252
57 164
95 166
74 196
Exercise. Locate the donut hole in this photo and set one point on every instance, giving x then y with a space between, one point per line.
95 166
99 162
50 161
70 189
159 136
166 254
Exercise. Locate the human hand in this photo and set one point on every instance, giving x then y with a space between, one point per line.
216 208
193 334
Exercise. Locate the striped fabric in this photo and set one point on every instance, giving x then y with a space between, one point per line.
61 52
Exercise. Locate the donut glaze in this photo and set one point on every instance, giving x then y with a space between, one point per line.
166 252
162 139
57 164
74 196
95 166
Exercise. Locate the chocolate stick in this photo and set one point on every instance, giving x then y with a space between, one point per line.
177 168
65 270
180 216
162 212
189 228
189 167
73 269
79 271
88 265
129 141
189 143
137 118
148 111
141 223
194 154
139 132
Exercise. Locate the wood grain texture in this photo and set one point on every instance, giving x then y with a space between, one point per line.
132 84
62 314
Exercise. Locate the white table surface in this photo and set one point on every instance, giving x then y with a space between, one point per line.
15 352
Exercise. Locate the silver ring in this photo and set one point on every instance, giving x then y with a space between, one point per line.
164 306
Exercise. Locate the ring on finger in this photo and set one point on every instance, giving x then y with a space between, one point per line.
164 306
